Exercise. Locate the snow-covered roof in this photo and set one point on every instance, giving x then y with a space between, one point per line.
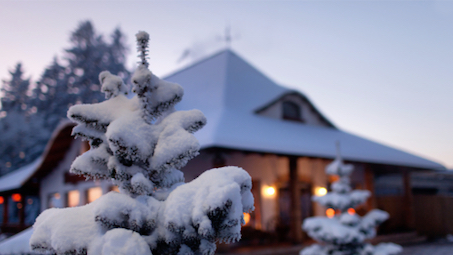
228 91
17 244
16 179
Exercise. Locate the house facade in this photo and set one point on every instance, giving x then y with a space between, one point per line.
285 142
276 134
46 183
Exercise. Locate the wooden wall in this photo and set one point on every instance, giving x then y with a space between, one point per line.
433 215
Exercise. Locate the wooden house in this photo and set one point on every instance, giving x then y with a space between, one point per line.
275 133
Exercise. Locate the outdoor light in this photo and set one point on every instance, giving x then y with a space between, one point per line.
351 211
330 213
320 191
2 200
246 218
269 191
16 197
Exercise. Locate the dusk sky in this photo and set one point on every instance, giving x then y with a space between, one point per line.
378 69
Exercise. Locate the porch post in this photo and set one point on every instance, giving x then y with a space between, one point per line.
408 200
295 213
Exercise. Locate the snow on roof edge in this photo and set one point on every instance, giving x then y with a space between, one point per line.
17 178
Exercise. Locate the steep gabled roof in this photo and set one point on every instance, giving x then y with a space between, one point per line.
228 91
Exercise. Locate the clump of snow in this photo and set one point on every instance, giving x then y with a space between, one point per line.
111 85
345 233
64 231
387 248
119 242
140 144
222 194
141 184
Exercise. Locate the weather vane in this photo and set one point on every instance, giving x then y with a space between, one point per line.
227 38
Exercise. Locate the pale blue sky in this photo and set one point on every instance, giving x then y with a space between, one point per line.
380 69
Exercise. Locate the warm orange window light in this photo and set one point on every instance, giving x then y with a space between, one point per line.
246 218
351 211
2 200
16 197
73 198
330 213
94 193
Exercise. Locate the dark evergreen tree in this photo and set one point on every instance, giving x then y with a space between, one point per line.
19 141
14 91
59 87
89 56
117 54
51 97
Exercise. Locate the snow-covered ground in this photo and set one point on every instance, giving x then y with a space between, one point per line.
429 249
438 248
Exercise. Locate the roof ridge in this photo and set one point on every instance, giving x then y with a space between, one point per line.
198 62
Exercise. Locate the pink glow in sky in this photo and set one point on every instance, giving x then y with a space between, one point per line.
379 69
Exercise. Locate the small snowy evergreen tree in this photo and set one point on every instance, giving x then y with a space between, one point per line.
345 232
140 144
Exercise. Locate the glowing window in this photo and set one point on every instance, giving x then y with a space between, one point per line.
115 188
73 198
93 194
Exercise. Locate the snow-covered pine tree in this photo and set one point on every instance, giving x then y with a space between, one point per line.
140 144
345 232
